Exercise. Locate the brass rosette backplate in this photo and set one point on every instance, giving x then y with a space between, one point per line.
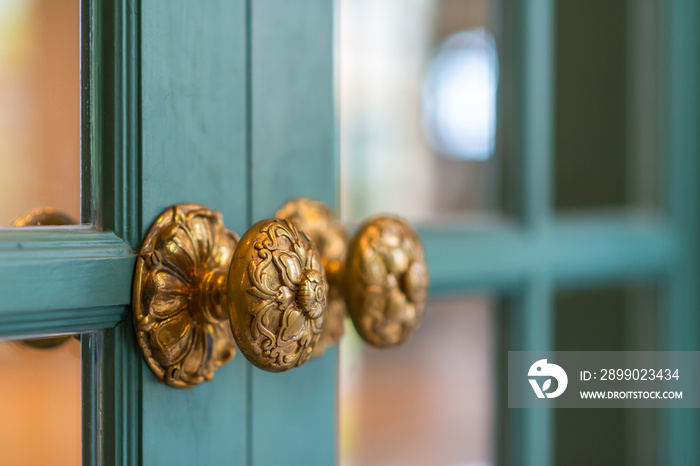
180 316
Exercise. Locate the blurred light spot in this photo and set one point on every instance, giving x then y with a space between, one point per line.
459 96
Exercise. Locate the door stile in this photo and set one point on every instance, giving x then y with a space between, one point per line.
293 414
193 121
681 21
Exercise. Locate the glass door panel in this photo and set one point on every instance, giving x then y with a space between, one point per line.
40 401
419 109
40 107
431 401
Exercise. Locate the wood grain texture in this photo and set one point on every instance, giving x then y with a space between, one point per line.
193 150
293 414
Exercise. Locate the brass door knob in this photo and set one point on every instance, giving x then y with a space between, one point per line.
380 276
198 288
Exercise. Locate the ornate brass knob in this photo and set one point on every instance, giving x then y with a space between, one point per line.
380 276
197 289
331 239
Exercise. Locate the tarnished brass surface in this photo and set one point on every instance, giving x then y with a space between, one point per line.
331 240
43 217
278 287
179 297
386 281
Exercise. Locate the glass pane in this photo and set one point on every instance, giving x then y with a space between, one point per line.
39 107
430 401
609 109
40 402
418 96
622 318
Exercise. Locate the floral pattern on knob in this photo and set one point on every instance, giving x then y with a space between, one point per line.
386 281
331 240
278 288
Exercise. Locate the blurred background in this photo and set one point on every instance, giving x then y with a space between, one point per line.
417 85
428 131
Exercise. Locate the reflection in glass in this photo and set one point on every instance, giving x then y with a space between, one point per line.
430 401
39 107
459 96
417 84
40 402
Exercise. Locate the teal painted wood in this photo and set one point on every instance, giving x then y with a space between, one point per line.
193 150
527 326
679 444
577 250
115 116
88 202
61 321
57 242
111 396
71 283
537 116
537 429
292 110
530 323
112 399
293 414
43 271
92 384
538 155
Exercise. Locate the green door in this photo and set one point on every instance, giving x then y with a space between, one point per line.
224 103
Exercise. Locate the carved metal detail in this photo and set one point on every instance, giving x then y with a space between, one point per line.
331 240
180 313
278 287
386 281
